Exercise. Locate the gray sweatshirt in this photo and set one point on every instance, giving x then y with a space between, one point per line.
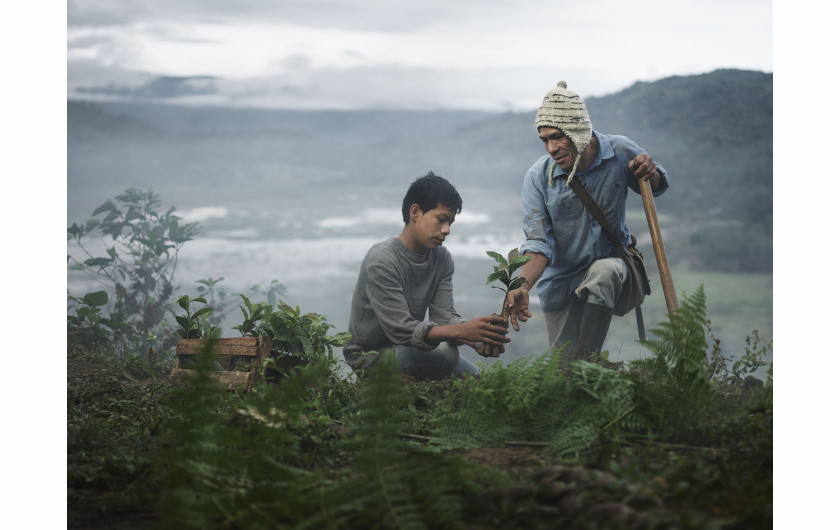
395 289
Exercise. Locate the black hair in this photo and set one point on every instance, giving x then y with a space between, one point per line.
429 191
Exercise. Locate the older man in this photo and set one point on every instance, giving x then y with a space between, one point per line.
573 265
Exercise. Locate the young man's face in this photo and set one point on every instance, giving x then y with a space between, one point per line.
429 229
559 147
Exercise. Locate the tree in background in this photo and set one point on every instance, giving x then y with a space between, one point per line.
138 267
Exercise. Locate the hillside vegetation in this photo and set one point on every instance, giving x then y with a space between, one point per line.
712 132
678 440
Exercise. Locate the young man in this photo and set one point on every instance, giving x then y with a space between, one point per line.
401 279
579 277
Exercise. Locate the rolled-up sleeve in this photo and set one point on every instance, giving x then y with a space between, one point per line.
536 222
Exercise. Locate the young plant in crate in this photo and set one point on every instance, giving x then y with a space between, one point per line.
252 315
195 325
303 336
297 340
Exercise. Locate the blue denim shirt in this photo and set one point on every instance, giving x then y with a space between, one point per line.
557 224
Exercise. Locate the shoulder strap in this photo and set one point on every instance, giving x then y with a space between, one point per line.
596 212
593 208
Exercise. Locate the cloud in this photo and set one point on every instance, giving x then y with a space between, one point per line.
165 87
361 15
496 54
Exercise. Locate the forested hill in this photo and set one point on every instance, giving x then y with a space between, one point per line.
712 132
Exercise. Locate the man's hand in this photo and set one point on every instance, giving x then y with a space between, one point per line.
516 307
643 167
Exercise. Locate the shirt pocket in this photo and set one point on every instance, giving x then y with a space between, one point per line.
569 220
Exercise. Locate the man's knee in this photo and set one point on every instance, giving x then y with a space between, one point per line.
603 281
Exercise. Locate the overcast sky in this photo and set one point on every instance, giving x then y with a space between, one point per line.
487 54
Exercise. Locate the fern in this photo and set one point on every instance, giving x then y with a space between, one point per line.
239 461
506 403
583 406
390 486
680 357
605 410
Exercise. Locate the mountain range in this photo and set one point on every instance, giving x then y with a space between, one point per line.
712 132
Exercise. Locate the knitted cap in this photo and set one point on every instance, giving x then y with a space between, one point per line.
563 109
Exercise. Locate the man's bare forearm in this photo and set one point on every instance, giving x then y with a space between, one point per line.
533 270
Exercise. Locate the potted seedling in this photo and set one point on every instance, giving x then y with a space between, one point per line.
297 339
503 272
504 269
202 348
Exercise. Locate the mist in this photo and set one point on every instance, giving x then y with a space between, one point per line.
299 197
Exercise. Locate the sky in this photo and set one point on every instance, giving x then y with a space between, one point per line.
334 54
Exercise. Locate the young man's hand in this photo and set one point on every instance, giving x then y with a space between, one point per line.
487 350
516 307
490 330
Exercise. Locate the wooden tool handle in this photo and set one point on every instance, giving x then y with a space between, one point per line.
658 247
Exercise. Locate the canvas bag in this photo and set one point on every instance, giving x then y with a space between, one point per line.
633 294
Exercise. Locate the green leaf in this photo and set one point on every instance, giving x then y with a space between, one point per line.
498 275
98 262
85 313
521 260
518 262
517 283
91 225
203 311
74 231
513 254
498 257
184 302
307 346
108 206
96 299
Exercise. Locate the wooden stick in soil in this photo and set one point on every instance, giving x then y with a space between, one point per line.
658 247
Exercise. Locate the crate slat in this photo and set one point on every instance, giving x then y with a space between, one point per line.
258 348
248 346
230 380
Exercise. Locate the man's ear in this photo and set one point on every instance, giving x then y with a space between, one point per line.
414 212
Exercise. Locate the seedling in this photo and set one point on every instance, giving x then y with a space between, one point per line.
195 325
300 335
503 271
252 317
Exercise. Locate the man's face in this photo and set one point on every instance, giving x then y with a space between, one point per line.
559 147
431 227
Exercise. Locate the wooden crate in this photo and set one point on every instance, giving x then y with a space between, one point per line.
225 352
